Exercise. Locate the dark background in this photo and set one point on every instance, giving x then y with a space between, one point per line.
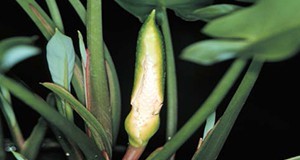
267 127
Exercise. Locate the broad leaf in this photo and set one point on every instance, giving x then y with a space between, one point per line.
212 12
250 1
212 51
14 50
61 59
270 26
183 8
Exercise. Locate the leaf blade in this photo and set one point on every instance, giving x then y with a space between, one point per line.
96 128
38 104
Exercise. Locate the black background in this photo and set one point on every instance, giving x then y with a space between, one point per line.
267 127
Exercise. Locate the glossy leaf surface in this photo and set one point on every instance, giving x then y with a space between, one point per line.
183 8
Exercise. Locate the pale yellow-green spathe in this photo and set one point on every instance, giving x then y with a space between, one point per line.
148 89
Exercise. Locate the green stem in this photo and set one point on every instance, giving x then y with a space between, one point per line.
171 78
213 145
98 100
55 14
208 107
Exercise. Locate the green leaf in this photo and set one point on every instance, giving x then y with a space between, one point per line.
33 144
294 158
262 26
212 51
212 12
213 144
114 92
97 129
14 50
69 129
10 117
97 88
250 1
18 156
66 144
2 151
183 8
210 123
38 16
61 59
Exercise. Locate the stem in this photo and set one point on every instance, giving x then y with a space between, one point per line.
213 145
171 79
208 107
114 87
133 153
99 101
55 14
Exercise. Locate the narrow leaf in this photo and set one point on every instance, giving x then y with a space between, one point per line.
2 151
203 112
67 145
55 14
33 144
82 48
96 128
214 143
294 158
18 156
79 8
39 17
114 92
210 122
10 118
16 55
88 147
